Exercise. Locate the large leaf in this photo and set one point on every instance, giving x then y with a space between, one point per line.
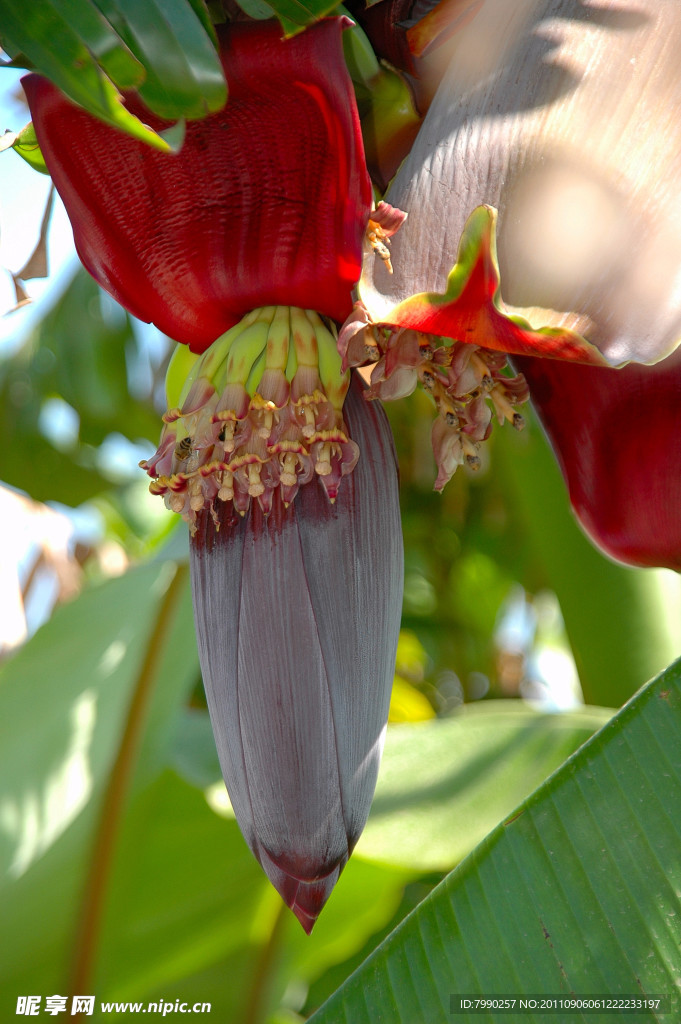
190 911
294 15
92 48
184 76
444 784
86 710
184 907
185 893
575 893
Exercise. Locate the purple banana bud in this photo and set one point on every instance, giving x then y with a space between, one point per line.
297 618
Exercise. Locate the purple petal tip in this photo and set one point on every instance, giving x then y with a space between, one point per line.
306 897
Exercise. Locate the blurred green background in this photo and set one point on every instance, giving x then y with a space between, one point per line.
123 873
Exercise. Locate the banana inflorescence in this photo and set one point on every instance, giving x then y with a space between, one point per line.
261 410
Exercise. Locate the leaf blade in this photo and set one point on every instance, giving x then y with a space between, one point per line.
474 767
184 76
293 15
64 698
541 893
165 51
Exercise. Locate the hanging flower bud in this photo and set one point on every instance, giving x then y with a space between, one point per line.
296 559
297 618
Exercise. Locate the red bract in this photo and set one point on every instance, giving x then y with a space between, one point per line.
265 204
562 121
618 445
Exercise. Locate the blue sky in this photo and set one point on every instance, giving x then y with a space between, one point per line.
23 194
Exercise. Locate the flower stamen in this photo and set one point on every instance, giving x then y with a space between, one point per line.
467 383
383 223
263 412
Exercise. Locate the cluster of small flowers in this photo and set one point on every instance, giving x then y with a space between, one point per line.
257 418
467 383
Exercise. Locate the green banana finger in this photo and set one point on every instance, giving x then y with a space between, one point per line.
214 357
278 339
255 376
243 354
182 362
304 340
334 381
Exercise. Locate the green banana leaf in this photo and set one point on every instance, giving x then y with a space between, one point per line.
444 784
293 15
577 893
90 699
183 907
165 49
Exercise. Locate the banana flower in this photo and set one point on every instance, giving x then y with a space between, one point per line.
559 115
244 247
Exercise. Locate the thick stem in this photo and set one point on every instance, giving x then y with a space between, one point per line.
256 1003
93 899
